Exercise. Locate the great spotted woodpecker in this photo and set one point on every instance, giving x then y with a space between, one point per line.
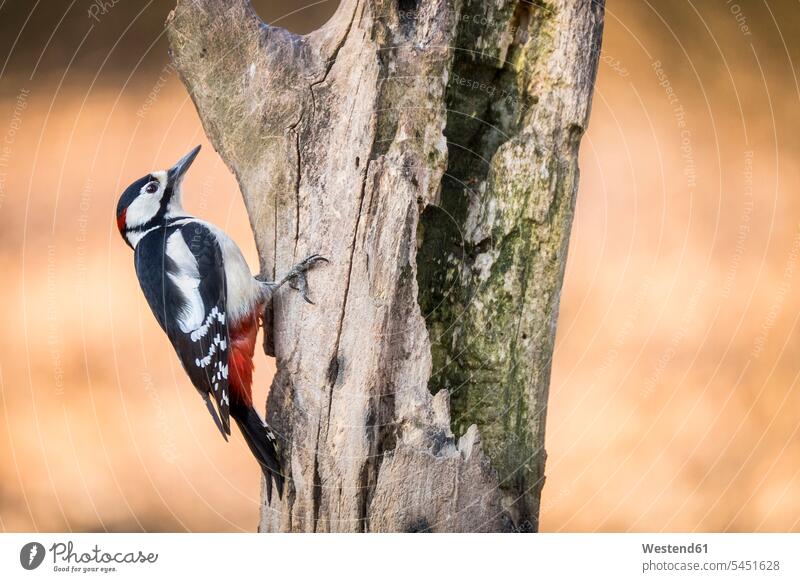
202 293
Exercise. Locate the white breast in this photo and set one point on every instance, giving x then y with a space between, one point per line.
244 292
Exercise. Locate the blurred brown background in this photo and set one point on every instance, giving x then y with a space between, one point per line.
674 402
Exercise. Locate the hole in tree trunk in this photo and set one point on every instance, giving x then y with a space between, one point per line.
407 12
406 6
300 18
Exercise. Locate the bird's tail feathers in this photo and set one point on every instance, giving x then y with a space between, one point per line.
261 440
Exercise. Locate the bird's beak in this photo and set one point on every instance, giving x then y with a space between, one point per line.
176 172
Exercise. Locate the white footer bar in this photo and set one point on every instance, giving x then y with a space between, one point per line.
406 557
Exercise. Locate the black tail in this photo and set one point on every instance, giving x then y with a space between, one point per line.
261 441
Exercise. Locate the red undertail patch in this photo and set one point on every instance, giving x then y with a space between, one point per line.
240 360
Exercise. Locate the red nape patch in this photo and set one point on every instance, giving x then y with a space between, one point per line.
121 221
240 359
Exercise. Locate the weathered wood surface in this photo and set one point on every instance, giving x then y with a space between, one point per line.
429 149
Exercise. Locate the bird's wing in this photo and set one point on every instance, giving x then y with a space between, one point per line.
182 275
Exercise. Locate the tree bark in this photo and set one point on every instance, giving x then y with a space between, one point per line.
429 149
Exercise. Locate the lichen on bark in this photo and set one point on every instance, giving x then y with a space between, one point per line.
492 250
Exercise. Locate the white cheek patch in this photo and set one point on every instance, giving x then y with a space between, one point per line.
143 209
187 280
146 205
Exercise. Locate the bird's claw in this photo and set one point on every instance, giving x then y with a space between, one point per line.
302 286
297 276
308 262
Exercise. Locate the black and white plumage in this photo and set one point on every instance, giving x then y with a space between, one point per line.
185 285
203 295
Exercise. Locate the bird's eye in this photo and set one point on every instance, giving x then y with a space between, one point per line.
152 188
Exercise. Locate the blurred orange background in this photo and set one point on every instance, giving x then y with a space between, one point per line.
674 398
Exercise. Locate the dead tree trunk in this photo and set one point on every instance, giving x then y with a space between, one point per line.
429 149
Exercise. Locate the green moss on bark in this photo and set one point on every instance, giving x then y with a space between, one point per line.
492 252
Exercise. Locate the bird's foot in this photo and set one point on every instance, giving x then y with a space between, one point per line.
296 277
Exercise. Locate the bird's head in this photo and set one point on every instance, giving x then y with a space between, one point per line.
151 199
